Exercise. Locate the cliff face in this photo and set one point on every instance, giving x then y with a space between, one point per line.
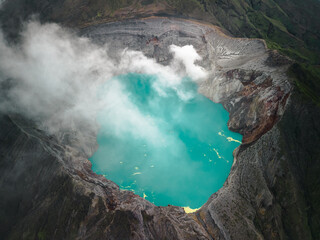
290 26
271 191
49 191
247 79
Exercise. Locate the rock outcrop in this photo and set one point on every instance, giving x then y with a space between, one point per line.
48 190
245 77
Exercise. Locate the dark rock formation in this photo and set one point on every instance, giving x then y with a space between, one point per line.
272 188
48 190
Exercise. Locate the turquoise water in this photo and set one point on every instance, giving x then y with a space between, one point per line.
168 146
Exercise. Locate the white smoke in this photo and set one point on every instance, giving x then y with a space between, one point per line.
123 117
187 56
53 77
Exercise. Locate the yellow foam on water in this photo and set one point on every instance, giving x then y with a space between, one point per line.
230 139
217 153
190 210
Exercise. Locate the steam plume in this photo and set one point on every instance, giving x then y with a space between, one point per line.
53 76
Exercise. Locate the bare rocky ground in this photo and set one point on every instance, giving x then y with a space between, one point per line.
48 190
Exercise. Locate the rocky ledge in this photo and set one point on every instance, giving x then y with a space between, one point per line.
48 190
245 77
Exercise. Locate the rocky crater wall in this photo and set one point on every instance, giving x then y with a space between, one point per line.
245 77
50 191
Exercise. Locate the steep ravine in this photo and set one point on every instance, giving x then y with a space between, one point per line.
49 191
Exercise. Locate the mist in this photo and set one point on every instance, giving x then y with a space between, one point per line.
52 76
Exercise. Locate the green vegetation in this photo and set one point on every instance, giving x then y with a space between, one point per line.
41 235
307 80
147 2
185 6
300 56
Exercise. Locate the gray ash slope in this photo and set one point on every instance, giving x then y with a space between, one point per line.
48 190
